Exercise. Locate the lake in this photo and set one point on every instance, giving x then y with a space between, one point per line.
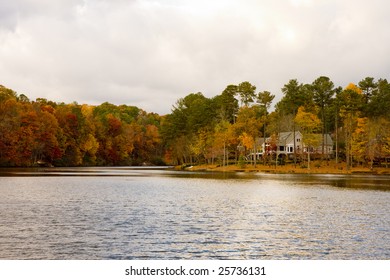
157 213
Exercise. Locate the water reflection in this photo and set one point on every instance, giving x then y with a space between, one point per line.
163 214
374 182
82 171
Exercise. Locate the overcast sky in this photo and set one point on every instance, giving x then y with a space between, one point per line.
150 53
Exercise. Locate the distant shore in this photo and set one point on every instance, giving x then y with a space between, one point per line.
316 168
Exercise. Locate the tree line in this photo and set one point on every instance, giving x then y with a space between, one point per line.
198 130
218 129
61 134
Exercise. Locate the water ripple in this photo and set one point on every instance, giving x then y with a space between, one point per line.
178 217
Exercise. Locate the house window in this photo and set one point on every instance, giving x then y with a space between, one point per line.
281 148
298 140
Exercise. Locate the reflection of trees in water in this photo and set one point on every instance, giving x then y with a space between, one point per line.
375 183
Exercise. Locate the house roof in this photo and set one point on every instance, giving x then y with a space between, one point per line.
288 137
327 139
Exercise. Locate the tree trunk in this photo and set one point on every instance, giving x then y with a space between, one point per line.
337 141
224 154
295 148
255 154
264 145
323 134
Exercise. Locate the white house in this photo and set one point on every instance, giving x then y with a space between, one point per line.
326 142
283 144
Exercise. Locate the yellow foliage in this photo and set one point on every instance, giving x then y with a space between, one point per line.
307 121
354 87
90 145
247 140
360 139
361 126
87 110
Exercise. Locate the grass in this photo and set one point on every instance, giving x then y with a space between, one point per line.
315 167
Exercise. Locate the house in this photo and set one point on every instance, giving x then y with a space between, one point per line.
324 141
283 144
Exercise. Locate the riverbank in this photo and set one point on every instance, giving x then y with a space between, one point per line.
316 168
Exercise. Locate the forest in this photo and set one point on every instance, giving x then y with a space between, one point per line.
199 130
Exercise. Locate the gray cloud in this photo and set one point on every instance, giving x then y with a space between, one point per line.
150 53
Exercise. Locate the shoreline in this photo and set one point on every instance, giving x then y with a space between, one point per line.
289 169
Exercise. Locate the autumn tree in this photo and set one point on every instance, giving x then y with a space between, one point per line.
147 139
371 140
27 131
89 144
10 110
71 122
350 100
308 123
46 146
224 140
199 129
248 127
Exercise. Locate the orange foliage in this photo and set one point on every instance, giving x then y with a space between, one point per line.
354 87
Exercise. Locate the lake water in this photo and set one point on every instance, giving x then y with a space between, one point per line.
147 213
